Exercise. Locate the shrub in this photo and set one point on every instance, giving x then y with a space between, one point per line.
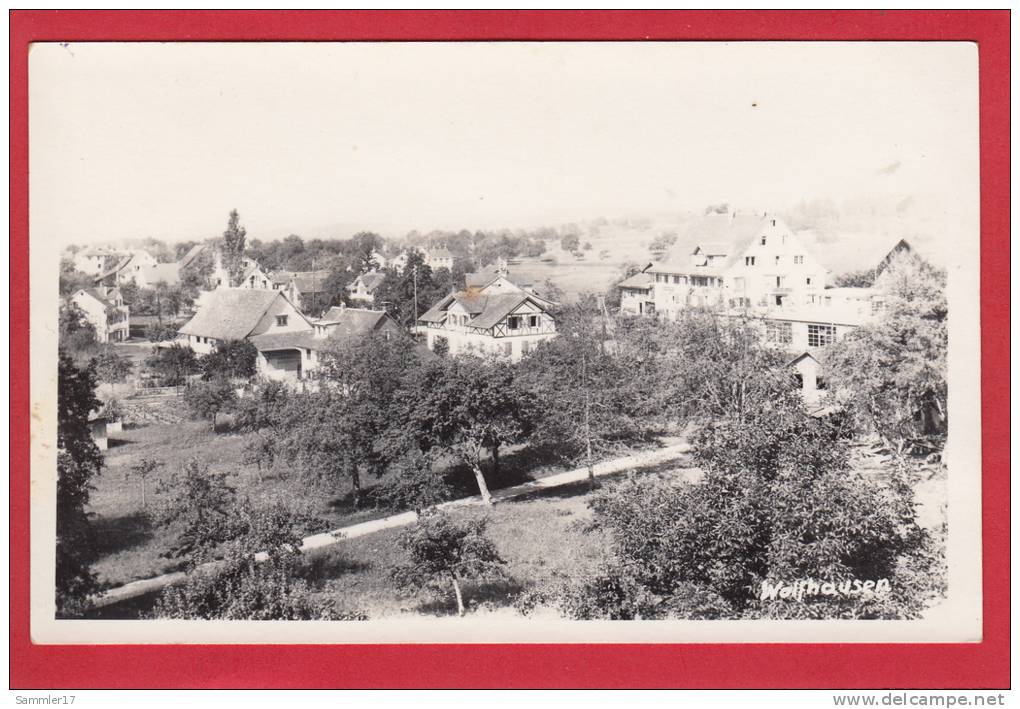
231 359
160 332
206 399
111 367
172 365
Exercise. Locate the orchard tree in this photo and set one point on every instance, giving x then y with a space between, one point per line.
340 431
442 553
778 503
79 461
891 373
587 403
258 576
172 364
143 470
230 359
206 399
466 406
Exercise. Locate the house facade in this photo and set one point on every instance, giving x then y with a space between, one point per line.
439 257
362 290
240 313
104 308
490 317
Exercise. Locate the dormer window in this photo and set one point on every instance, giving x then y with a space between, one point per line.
281 321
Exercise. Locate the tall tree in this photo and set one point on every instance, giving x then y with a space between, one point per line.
78 462
891 373
233 247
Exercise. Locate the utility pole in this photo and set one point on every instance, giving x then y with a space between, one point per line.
414 271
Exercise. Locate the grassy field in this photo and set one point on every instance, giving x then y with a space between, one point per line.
542 538
131 545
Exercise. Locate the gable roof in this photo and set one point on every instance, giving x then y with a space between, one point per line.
726 235
300 339
99 295
638 280
121 263
371 280
850 254
230 313
306 281
486 310
169 273
192 254
355 323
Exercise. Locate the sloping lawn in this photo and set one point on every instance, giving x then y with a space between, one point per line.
542 538
132 546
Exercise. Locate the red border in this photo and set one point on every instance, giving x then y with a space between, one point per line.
983 665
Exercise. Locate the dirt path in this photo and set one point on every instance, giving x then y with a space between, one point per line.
644 459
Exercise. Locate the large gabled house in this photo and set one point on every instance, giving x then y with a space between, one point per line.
493 315
240 313
104 308
305 289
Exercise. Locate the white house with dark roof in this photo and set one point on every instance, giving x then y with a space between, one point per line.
439 257
636 294
104 308
240 313
492 315
362 289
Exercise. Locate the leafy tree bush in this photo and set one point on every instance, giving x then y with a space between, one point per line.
75 334
78 462
778 504
172 365
230 359
443 553
160 332
243 586
207 398
111 367
465 406
197 504
262 407
891 373
570 242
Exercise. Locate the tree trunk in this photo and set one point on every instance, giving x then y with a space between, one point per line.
143 493
495 461
482 487
456 592
587 439
352 469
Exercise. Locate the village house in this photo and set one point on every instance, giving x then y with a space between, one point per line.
305 289
494 314
240 313
362 290
124 266
439 257
636 296
93 261
104 308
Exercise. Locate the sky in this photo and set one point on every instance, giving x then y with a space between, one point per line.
322 140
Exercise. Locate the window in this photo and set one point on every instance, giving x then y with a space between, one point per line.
763 240
676 279
798 260
820 335
777 260
749 260
532 321
809 283
508 348
525 347
514 322
780 333
281 320
821 383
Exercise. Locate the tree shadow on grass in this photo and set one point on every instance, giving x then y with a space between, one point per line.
515 468
494 594
116 534
324 566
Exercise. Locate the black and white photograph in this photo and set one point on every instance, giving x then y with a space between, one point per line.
407 342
